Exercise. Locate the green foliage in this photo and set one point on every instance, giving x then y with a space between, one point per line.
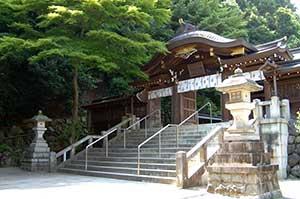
224 18
271 19
212 96
43 41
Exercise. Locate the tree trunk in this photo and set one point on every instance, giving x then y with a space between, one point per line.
75 103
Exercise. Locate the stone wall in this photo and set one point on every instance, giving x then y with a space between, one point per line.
293 153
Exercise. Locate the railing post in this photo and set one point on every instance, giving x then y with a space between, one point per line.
203 153
124 138
86 158
177 136
221 137
257 112
159 144
145 127
65 156
106 146
210 112
138 162
181 169
72 152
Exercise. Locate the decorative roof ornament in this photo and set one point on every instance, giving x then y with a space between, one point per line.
185 27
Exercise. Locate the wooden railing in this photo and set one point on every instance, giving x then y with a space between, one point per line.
190 166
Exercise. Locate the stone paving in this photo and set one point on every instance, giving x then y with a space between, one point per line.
15 183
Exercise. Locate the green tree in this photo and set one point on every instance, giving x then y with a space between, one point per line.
271 19
221 17
110 36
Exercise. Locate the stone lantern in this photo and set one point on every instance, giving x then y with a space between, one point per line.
37 156
239 89
241 167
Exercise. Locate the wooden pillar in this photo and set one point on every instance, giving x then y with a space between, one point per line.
183 105
226 116
176 108
153 105
267 90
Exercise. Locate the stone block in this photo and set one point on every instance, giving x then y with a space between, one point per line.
293 159
295 171
297 140
291 148
238 178
214 177
291 139
252 189
297 149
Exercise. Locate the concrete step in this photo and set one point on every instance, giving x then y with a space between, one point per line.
121 149
121 169
124 176
161 166
163 141
129 159
154 146
129 154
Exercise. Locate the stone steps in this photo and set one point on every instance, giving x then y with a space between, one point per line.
131 154
124 176
121 162
162 166
130 159
122 169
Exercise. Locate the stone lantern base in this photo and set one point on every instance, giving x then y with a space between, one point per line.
242 168
37 157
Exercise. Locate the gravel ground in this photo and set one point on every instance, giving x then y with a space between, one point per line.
15 183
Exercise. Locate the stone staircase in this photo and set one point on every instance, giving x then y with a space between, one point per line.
121 162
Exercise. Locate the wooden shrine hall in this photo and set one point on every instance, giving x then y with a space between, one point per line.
198 60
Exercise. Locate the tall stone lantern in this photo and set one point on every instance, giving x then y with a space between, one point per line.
37 156
241 167
239 89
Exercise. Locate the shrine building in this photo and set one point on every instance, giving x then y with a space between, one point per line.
198 60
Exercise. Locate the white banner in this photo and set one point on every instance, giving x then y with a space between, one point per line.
198 83
164 92
209 81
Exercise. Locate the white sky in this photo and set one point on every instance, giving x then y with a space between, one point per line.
297 4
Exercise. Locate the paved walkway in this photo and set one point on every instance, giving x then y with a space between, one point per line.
18 184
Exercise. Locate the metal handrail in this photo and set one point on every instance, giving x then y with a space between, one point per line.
137 122
110 131
189 117
202 107
150 138
72 147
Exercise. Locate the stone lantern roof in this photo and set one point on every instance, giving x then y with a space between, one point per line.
40 117
238 81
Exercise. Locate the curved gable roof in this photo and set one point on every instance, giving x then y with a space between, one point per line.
208 38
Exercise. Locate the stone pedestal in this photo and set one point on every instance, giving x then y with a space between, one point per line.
37 156
242 168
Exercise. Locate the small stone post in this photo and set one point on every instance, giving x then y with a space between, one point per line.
181 168
285 110
37 156
275 107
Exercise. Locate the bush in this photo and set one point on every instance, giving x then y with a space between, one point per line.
5 153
